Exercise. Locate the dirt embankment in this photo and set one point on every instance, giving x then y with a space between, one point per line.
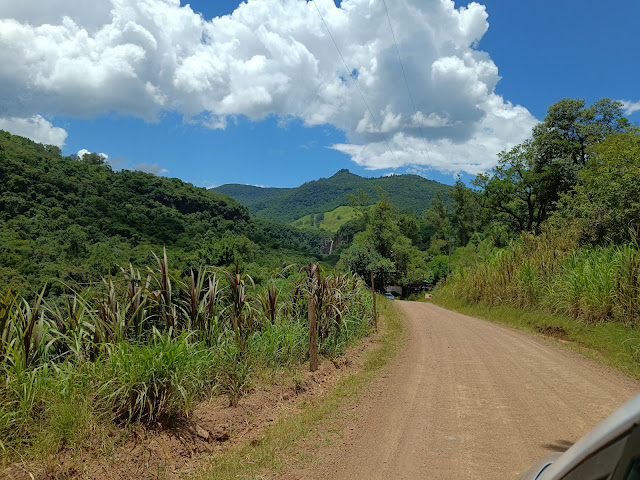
180 449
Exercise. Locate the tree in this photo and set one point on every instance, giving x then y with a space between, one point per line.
607 197
562 141
531 177
93 159
466 212
512 189
440 215
570 128
382 249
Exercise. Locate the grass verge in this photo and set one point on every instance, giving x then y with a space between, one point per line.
609 343
277 445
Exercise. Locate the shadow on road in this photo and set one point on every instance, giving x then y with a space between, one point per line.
558 446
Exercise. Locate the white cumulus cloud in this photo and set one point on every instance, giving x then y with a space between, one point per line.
35 127
271 57
630 107
154 168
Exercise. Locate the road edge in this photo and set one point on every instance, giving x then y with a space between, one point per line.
277 447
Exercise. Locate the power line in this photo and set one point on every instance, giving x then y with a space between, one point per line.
415 110
356 83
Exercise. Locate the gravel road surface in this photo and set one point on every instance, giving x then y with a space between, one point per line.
469 399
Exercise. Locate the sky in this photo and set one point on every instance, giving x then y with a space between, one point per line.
280 92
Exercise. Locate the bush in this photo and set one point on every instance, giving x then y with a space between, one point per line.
282 343
147 381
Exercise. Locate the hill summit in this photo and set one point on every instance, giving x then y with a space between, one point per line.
408 192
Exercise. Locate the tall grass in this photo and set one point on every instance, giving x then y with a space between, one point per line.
551 272
144 345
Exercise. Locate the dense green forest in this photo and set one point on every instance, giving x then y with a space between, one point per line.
409 193
69 219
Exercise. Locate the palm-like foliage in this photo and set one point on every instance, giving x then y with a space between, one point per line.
147 345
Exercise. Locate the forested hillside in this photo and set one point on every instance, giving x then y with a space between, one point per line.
411 193
208 299
76 219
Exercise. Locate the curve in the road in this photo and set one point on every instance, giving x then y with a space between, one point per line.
469 399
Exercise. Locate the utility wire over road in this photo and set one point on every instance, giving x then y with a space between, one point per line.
355 79
415 110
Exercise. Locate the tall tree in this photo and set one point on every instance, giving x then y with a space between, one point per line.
531 177
512 189
607 197
563 140
466 212
382 249
570 128
441 216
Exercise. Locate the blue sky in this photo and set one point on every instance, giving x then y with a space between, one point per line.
261 96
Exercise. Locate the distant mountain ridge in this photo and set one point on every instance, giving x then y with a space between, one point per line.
408 192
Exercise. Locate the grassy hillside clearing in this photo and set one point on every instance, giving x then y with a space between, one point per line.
330 221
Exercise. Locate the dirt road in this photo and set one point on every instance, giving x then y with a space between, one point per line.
468 399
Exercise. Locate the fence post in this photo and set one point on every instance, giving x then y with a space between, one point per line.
375 310
313 341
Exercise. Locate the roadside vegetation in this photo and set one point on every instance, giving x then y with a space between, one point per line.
144 346
277 446
549 240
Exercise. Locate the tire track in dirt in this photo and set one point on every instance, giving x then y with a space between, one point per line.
469 399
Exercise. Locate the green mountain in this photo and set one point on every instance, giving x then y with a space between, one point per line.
74 220
408 192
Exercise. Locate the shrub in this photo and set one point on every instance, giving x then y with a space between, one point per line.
164 377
